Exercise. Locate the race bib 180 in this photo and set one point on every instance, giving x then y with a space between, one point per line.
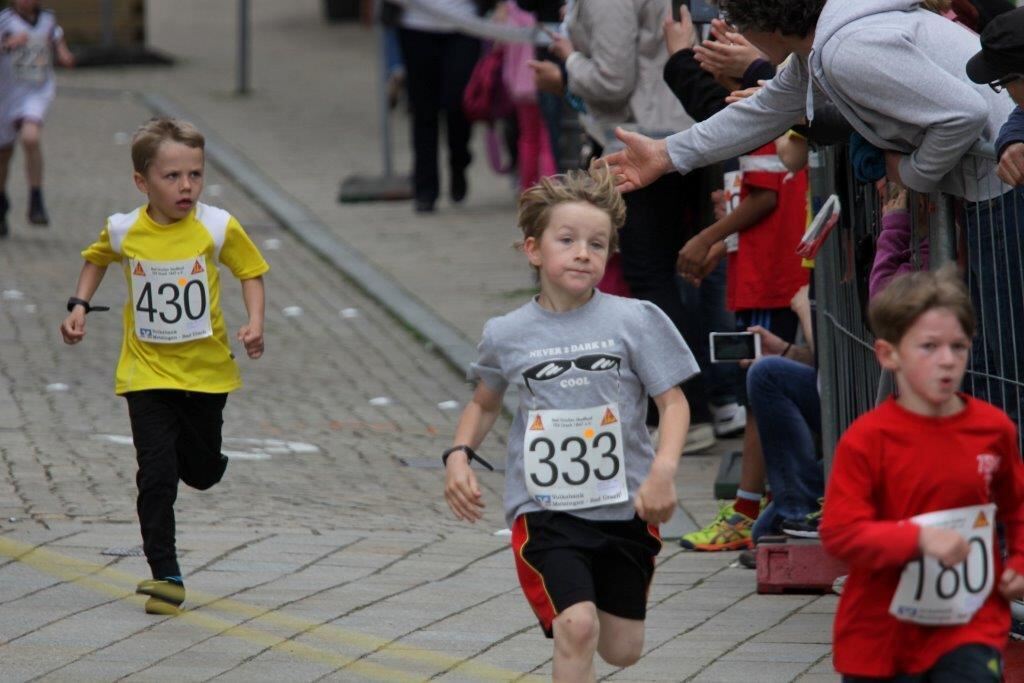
931 594
574 458
171 300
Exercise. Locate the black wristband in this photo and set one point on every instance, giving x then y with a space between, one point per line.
786 350
75 301
470 456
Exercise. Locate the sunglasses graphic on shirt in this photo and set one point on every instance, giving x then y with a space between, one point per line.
598 362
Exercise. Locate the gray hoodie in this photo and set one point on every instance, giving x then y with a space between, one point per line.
897 74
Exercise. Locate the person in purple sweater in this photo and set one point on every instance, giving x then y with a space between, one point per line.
894 250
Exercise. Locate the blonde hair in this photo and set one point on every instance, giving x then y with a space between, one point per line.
596 187
150 135
908 297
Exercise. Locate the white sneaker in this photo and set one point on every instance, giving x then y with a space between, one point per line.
700 437
730 419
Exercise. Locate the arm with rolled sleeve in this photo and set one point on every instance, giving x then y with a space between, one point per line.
850 529
609 72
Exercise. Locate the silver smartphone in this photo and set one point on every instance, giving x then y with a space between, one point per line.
732 347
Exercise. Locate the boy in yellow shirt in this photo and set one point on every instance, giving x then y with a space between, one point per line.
176 366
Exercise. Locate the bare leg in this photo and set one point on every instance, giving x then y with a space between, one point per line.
5 161
576 636
31 133
621 641
752 466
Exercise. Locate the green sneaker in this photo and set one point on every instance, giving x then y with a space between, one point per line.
730 530
165 596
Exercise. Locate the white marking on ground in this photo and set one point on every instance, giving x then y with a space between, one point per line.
380 401
292 311
243 448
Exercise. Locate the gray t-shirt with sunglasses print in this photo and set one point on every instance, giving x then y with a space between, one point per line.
610 351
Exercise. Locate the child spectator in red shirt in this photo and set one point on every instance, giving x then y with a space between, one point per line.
927 595
764 273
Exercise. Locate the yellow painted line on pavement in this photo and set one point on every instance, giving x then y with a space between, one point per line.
121 585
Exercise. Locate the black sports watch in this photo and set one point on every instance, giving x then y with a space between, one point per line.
75 301
471 455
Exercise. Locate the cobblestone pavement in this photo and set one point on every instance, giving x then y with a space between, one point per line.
327 552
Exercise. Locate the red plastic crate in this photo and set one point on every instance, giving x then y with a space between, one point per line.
788 565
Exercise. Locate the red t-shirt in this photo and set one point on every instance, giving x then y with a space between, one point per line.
766 271
890 465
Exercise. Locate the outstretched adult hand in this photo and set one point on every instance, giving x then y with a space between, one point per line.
643 161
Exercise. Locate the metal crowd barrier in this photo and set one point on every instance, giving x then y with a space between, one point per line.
983 237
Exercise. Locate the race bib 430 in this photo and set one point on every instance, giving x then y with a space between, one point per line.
171 300
931 594
573 459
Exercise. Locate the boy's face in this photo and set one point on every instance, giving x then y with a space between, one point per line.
173 181
929 362
572 252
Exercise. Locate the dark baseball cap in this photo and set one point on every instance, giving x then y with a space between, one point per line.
1002 48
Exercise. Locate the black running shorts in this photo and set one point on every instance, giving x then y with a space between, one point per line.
562 560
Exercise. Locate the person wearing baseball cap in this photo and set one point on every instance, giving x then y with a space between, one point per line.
1001 64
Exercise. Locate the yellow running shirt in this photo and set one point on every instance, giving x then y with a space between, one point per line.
174 295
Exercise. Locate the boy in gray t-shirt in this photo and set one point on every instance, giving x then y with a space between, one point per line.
584 489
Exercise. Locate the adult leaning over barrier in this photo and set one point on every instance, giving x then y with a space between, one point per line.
896 73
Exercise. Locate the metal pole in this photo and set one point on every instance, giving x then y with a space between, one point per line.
243 47
822 185
941 232
383 105
107 19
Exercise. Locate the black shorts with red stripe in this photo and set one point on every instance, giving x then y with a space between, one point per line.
563 560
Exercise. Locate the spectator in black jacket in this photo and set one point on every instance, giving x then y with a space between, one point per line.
1001 64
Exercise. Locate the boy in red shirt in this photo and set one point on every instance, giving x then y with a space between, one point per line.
764 272
927 595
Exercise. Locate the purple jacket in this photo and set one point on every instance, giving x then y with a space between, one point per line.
893 252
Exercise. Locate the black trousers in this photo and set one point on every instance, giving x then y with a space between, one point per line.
177 435
975 663
437 69
660 218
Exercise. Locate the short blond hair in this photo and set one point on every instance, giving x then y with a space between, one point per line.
150 135
908 297
596 187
